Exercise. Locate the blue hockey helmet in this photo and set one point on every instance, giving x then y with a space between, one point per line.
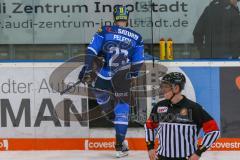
120 13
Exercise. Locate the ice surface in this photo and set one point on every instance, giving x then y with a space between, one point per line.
100 155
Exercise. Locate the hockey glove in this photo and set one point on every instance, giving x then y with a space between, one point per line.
85 76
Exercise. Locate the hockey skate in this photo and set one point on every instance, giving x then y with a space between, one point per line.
121 150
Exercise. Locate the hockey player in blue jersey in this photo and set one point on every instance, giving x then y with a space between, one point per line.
120 48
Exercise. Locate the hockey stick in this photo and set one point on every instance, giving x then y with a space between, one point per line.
70 87
81 75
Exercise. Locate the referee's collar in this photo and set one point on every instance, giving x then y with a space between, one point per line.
182 101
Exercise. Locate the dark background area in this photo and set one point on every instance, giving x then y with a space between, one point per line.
230 102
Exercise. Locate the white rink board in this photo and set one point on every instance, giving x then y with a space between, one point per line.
29 83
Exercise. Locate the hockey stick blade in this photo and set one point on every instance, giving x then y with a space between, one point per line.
70 87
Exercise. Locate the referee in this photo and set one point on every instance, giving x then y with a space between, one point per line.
177 121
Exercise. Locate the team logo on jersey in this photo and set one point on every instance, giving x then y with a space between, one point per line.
184 112
108 29
162 109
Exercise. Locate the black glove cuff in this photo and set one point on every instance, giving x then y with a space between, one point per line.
200 150
150 145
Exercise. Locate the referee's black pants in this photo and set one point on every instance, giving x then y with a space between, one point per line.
166 158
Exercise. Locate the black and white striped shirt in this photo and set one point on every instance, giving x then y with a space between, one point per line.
178 135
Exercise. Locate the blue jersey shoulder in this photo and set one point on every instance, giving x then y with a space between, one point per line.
130 30
120 30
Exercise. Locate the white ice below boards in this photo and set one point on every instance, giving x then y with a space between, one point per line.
101 155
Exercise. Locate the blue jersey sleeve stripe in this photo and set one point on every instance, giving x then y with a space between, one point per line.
104 77
118 122
92 49
99 35
138 62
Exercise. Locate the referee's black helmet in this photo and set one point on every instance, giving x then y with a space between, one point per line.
175 78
